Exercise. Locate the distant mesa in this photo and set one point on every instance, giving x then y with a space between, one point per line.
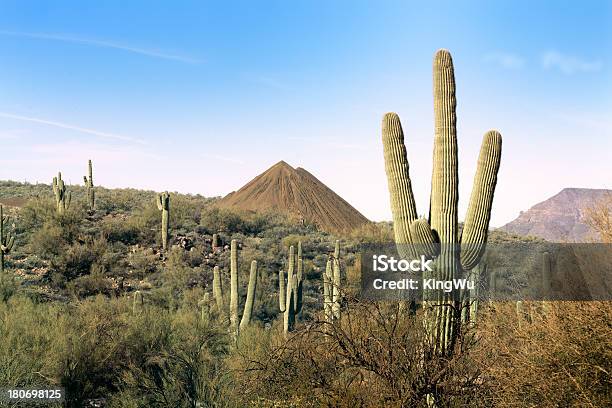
560 218
298 194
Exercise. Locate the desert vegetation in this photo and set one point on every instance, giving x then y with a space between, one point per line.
129 298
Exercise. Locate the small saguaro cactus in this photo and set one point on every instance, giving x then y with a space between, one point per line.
91 194
138 302
163 205
62 197
7 240
215 242
204 304
234 295
290 293
441 231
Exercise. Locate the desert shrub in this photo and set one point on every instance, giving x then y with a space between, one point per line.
372 358
120 229
173 360
217 219
92 284
599 218
77 259
122 200
142 262
29 342
559 354
381 232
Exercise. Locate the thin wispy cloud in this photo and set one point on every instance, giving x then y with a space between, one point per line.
505 60
569 64
62 125
103 44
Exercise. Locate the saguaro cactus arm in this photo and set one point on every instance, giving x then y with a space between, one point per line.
424 239
403 207
476 226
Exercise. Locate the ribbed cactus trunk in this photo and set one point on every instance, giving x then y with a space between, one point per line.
218 290
91 194
234 286
331 286
250 299
7 241
299 282
440 234
62 197
163 205
327 290
336 282
215 242
290 294
289 312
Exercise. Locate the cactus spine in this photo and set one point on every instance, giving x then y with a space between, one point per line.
7 240
234 295
62 197
163 205
443 312
91 194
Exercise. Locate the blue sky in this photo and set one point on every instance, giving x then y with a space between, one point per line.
201 96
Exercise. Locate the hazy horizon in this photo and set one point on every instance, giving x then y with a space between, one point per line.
200 98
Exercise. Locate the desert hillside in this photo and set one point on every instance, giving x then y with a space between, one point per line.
561 217
297 193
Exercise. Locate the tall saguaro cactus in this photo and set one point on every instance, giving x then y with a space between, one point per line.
234 295
443 312
91 194
290 294
250 299
7 240
163 205
62 197
234 284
